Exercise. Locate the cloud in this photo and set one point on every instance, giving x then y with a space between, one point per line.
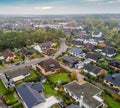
43 8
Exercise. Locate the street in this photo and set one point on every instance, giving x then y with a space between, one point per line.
63 48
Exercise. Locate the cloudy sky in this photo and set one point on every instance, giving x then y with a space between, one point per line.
45 7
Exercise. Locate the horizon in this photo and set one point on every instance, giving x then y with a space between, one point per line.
58 7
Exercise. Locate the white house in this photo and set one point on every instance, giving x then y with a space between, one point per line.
36 47
97 34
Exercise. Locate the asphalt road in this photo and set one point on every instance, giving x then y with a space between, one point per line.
63 48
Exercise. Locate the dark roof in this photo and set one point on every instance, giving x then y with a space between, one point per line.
93 56
30 94
17 73
91 68
115 64
71 60
86 90
73 106
99 39
76 51
96 32
49 65
77 42
26 52
89 46
45 45
7 53
86 37
109 50
114 79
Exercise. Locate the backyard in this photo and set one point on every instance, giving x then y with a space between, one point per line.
60 78
32 77
117 57
110 101
3 90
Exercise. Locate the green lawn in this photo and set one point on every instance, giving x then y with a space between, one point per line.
1 66
32 77
105 63
10 99
3 90
111 102
49 90
117 57
60 78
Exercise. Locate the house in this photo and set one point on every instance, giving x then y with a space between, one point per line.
48 66
104 44
45 46
115 65
30 93
93 70
12 77
113 80
36 47
97 34
79 65
89 46
86 94
77 52
70 60
27 52
99 39
92 41
77 42
8 55
85 37
108 51
94 57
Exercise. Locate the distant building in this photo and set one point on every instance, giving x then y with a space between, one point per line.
115 65
97 34
93 70
108 51
113 80
8 55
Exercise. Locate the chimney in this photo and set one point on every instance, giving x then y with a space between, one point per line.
81 100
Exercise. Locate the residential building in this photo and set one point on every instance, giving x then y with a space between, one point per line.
73 106
108 51
12 77
115 65
113 80
93 70
48 66
77 52
70 60
45 46
77 42
86 94
37 48
30 93
97 34
94 57
8 55
88 46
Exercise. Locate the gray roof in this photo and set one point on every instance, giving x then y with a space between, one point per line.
86 90
92 68
17 73
70 59
73 106
114 79
30 94
76 51
109 50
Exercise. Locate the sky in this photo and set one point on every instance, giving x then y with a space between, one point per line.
50 7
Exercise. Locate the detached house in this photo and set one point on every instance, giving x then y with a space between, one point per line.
77 52
93 56
45 46
89 46
97 34
112 80
48 66
115 65
86 94
12 77
30 94
8 55
71 60
77 43
108 51
93 70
